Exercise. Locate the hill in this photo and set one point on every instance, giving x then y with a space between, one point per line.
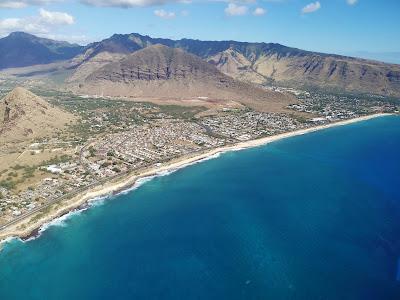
24 116
269 63
21 49
162 72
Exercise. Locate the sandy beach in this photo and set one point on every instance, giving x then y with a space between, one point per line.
31 224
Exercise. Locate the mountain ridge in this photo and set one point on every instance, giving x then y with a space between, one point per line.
20 49
260 63
127 43
162 72
270 64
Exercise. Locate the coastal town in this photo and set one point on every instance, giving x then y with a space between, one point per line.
159 149
114 138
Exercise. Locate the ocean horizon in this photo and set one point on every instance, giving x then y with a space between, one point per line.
315 216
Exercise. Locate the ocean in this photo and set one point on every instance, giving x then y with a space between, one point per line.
315 216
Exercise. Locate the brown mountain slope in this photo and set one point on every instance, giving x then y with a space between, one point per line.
262 63
84 69
312 70
236 65
166 73
24 116
270 63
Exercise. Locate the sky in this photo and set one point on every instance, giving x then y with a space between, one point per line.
332 26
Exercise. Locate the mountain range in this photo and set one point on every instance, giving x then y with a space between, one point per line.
21 49
259 63
162 72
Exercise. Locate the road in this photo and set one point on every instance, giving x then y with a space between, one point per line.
72 194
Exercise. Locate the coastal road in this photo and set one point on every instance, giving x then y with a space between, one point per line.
70 195
38 209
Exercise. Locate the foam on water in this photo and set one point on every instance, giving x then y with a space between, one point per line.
141 181
98 201
60 221
259 224
6 241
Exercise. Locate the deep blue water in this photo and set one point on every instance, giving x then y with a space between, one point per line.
311 217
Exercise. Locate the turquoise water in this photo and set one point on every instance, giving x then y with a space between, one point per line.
311 217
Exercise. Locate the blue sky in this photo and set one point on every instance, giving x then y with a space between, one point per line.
335 26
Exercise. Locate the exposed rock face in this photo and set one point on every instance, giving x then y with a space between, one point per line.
236 65
330 72
312 70
166 73
157 63
265 63
91 65
6 112
260 63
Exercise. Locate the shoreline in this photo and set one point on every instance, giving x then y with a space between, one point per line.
31 227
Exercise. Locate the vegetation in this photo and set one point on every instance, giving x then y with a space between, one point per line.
8 184
92 151
57 160
17 167
115 169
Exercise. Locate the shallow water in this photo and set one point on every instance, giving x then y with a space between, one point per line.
311 217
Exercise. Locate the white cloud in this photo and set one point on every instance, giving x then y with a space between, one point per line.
29 24
351 2
130 3
312 7
236 10
24 3
55 17
236 1
42 24
259 11
164 14
12 4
